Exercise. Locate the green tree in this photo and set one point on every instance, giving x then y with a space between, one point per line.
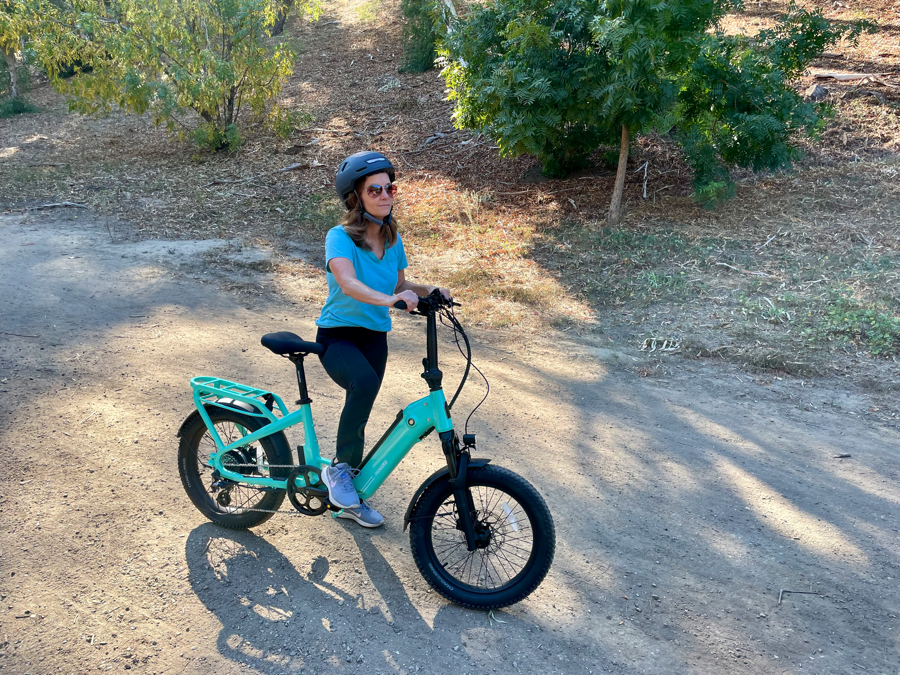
560 78
426 21
168 57
13 24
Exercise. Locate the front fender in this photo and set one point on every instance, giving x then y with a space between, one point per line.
433 478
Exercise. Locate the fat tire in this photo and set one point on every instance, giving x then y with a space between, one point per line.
531 575
276 450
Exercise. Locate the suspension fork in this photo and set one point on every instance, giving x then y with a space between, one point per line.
458 464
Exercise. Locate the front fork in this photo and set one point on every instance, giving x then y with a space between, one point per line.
458 464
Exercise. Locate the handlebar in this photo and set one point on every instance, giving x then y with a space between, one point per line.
430 303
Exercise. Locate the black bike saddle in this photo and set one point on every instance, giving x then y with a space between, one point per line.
283 343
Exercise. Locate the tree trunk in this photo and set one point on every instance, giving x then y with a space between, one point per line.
281 17
229 106
615 207
13 65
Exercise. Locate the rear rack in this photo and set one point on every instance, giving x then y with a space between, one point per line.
212 390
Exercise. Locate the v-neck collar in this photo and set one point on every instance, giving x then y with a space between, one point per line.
375 257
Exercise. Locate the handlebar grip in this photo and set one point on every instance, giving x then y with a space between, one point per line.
400 304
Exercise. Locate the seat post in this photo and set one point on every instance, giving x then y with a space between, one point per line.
297 360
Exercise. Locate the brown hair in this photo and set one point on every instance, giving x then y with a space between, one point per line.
355 224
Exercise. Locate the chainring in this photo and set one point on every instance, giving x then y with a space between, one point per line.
312 498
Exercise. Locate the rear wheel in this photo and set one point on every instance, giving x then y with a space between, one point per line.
516 536
233 505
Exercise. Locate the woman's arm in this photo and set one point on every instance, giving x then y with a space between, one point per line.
345 274
418 289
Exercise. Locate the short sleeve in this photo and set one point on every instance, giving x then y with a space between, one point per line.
338 244
402 264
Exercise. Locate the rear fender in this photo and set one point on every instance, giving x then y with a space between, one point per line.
223 402
433 478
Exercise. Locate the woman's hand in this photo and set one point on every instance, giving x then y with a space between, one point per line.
445 292
410 298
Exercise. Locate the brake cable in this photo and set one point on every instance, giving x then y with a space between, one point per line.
457 331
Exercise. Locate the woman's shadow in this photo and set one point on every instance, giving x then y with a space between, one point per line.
273 615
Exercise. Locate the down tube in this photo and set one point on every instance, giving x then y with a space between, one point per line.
418 419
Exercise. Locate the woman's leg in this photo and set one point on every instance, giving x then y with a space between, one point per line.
358 369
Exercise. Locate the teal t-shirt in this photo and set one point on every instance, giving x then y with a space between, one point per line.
381 275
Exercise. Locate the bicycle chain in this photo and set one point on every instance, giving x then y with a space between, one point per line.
268 466
292 512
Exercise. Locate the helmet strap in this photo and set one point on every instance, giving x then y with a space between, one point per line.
380 221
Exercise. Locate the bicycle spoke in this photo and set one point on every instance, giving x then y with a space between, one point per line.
511 539
242 497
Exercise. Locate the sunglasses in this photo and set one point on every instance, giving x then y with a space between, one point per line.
374 190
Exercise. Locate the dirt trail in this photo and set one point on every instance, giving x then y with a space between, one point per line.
684 504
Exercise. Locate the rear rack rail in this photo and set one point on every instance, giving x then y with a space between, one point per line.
212 389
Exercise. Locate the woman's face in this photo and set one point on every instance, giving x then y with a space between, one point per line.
378 205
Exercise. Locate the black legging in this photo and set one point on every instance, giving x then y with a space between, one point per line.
355 358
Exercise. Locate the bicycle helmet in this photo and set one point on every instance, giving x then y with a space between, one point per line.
358 166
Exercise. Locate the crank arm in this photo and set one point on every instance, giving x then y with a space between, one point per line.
315 492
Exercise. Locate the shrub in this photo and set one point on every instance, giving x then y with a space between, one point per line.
169 57
420 33
15 106
559 78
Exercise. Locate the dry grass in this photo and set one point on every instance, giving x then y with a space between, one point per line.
522 252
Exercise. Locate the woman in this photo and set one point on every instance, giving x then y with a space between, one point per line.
365 263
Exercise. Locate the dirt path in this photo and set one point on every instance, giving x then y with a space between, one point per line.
684 504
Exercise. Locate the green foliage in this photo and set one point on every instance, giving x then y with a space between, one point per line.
846 320
801 36
15 106
211 137
526 72
559 78
285 122
736 106
168 58
420 34
13 24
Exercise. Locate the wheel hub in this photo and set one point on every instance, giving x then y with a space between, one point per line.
243 459
484 533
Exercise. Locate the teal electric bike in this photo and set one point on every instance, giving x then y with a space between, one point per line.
481 535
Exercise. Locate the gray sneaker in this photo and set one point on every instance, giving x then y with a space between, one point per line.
364 514
339 480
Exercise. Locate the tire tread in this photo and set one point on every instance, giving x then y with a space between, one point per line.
277 451
545 524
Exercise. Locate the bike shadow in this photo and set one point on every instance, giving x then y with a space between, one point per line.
277 616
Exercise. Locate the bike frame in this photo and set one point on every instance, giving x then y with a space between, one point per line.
412 424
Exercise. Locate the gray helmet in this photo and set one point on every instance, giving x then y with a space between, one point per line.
358 166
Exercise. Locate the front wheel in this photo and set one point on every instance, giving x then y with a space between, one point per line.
515 532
